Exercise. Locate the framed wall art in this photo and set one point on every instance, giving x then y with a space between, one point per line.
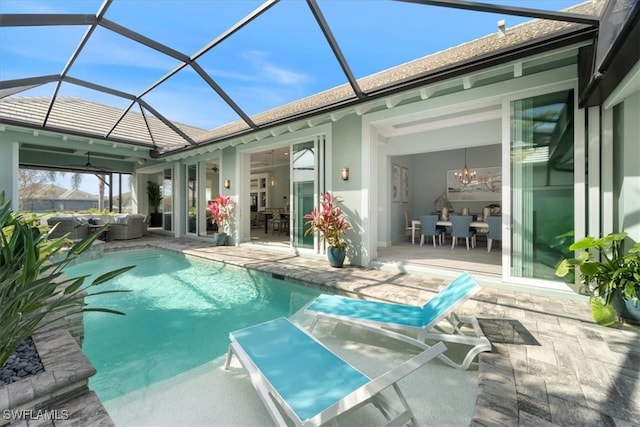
487 187
396 183
404 194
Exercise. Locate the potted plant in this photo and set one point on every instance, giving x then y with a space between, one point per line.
221 209
331 222
610 277
155 197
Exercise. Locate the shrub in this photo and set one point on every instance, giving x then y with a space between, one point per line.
33 289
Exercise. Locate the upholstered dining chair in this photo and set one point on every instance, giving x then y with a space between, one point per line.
460 227
429 227
495 230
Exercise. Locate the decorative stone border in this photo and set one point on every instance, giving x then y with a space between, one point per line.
60 392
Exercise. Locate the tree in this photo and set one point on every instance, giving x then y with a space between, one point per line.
31 182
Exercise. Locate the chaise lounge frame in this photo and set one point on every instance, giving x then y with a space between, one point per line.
412 324
273 391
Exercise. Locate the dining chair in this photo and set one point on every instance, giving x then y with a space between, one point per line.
495 230
429 227
408 229
277 221
461 227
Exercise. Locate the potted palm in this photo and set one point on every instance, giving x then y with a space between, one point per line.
331 222
155 197
608 275
221 209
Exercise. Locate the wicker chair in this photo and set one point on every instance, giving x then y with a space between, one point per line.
70 225
127 227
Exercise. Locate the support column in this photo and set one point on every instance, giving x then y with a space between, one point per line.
9 171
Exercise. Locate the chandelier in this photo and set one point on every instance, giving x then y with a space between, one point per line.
465 175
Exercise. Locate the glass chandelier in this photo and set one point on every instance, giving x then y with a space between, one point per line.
465 175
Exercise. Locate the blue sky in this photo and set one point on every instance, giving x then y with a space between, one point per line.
280 57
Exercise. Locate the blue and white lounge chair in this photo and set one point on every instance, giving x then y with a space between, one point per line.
425 323
296 375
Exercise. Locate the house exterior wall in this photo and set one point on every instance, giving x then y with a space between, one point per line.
628 153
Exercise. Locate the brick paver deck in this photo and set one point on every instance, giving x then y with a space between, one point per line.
550 364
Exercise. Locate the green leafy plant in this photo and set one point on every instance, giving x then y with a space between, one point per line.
34 292
605 269
330 221
155 195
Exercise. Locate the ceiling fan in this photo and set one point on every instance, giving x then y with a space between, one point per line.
90 166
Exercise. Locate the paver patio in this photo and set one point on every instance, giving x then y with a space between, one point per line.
551 364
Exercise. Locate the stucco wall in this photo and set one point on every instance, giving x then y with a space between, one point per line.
346 151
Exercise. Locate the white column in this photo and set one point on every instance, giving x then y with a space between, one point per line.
9 172
593 172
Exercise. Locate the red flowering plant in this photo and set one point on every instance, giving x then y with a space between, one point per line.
221 209
330 221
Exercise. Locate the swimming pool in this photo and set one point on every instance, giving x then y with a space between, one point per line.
178 315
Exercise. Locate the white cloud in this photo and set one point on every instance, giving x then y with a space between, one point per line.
272 72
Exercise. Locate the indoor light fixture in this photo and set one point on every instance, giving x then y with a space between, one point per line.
465 176
227 183
345 174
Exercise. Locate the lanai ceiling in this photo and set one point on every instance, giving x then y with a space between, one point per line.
174 75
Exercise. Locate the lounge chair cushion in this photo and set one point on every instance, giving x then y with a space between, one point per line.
314 379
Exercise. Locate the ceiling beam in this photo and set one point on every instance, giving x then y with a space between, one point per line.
30 81
74 56
164 120
45 19
511 10
222 94
317 13
146 41
238 25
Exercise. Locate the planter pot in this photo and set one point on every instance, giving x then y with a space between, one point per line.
336 256
626 310
155 220
220 239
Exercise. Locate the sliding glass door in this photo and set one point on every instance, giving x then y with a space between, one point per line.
542 183
307 183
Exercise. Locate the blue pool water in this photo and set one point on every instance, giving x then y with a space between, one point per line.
178 315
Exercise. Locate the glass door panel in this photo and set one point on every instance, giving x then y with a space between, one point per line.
192 199
542 176
303 179
167 199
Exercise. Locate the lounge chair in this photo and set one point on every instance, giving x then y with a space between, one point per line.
297 376
425 323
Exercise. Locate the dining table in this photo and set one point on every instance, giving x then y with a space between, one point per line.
478 225
269 215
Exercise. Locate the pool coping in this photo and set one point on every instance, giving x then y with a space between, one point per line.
550 363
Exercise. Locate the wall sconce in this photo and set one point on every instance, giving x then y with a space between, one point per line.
227 184
345 174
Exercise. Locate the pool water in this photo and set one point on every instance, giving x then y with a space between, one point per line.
178 315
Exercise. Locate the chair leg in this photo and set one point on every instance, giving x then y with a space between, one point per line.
421 239
489 242
467 243
434 240
454 240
